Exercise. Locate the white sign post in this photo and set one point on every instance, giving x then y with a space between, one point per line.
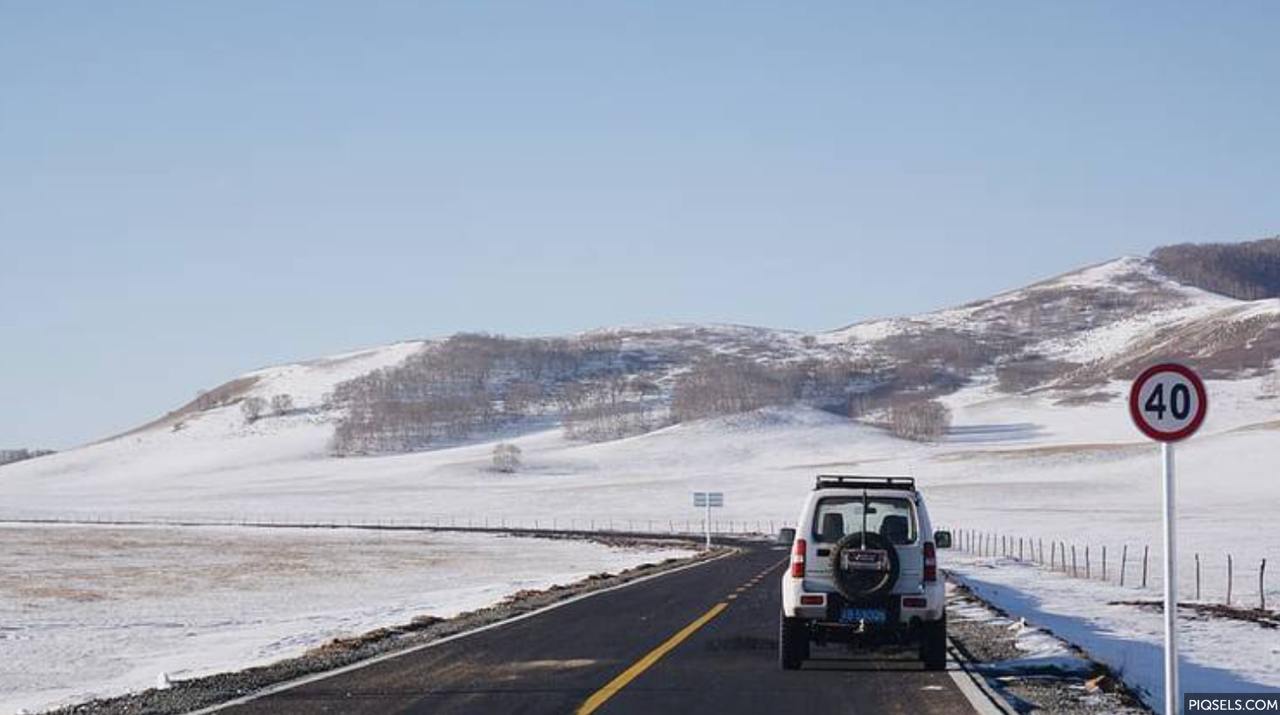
1168 403
706 500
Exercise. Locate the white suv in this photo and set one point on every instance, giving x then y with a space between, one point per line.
864 571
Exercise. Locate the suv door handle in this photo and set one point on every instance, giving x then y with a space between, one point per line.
824 552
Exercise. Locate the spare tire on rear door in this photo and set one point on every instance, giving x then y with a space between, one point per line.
864 565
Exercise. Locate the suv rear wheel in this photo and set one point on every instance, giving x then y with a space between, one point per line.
933 644
793 642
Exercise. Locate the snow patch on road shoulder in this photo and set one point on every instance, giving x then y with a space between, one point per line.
1217 655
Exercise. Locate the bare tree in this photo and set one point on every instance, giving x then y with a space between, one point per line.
282 403
522 396
923 420
723 385
506 458
252 408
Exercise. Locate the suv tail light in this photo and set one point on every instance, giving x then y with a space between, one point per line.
797 559
930 562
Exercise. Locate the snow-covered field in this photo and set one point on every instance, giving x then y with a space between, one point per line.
92 611
1017 465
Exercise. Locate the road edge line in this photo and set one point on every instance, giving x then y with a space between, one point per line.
974 687
358 665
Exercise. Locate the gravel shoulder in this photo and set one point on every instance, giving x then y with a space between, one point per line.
1034 671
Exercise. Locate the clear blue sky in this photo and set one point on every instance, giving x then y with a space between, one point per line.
192 190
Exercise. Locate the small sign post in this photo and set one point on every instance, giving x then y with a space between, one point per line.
707 500
1168 403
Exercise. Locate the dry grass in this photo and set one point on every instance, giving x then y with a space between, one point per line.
87 564
1048 452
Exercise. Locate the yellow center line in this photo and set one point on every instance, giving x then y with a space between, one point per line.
599 697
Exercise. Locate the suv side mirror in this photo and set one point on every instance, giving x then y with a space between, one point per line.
786 535
942 539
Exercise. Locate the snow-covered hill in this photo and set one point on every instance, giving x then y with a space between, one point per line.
1065 434
1040 365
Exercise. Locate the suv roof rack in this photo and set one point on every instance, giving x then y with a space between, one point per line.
846 481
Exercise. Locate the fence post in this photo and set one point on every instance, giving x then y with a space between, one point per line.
1124 558
1197 576
1146 548
1228 579
1019 548
1262 585
1073 561
1104 562
1088 567
1042 552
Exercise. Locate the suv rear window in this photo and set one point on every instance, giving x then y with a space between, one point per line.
892 518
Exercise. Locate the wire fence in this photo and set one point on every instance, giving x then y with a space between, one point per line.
1218 578
689 526
1230 581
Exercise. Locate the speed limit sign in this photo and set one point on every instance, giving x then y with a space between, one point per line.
1168 402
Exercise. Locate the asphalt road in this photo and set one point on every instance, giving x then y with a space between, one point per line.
703 640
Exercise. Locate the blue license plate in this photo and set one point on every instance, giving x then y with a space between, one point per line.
870 615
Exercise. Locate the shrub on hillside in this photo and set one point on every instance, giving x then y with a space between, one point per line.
252 408
921 420
506 458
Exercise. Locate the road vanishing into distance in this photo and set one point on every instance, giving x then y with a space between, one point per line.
699 640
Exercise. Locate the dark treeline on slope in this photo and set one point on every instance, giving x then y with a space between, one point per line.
9 456
601 387
1247 271
471 382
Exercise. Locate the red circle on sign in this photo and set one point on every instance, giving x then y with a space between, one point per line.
1202 404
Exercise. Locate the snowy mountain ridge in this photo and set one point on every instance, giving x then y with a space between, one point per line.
1068 335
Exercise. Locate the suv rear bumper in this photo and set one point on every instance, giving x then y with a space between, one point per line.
901 609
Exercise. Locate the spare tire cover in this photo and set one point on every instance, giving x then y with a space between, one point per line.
860 585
